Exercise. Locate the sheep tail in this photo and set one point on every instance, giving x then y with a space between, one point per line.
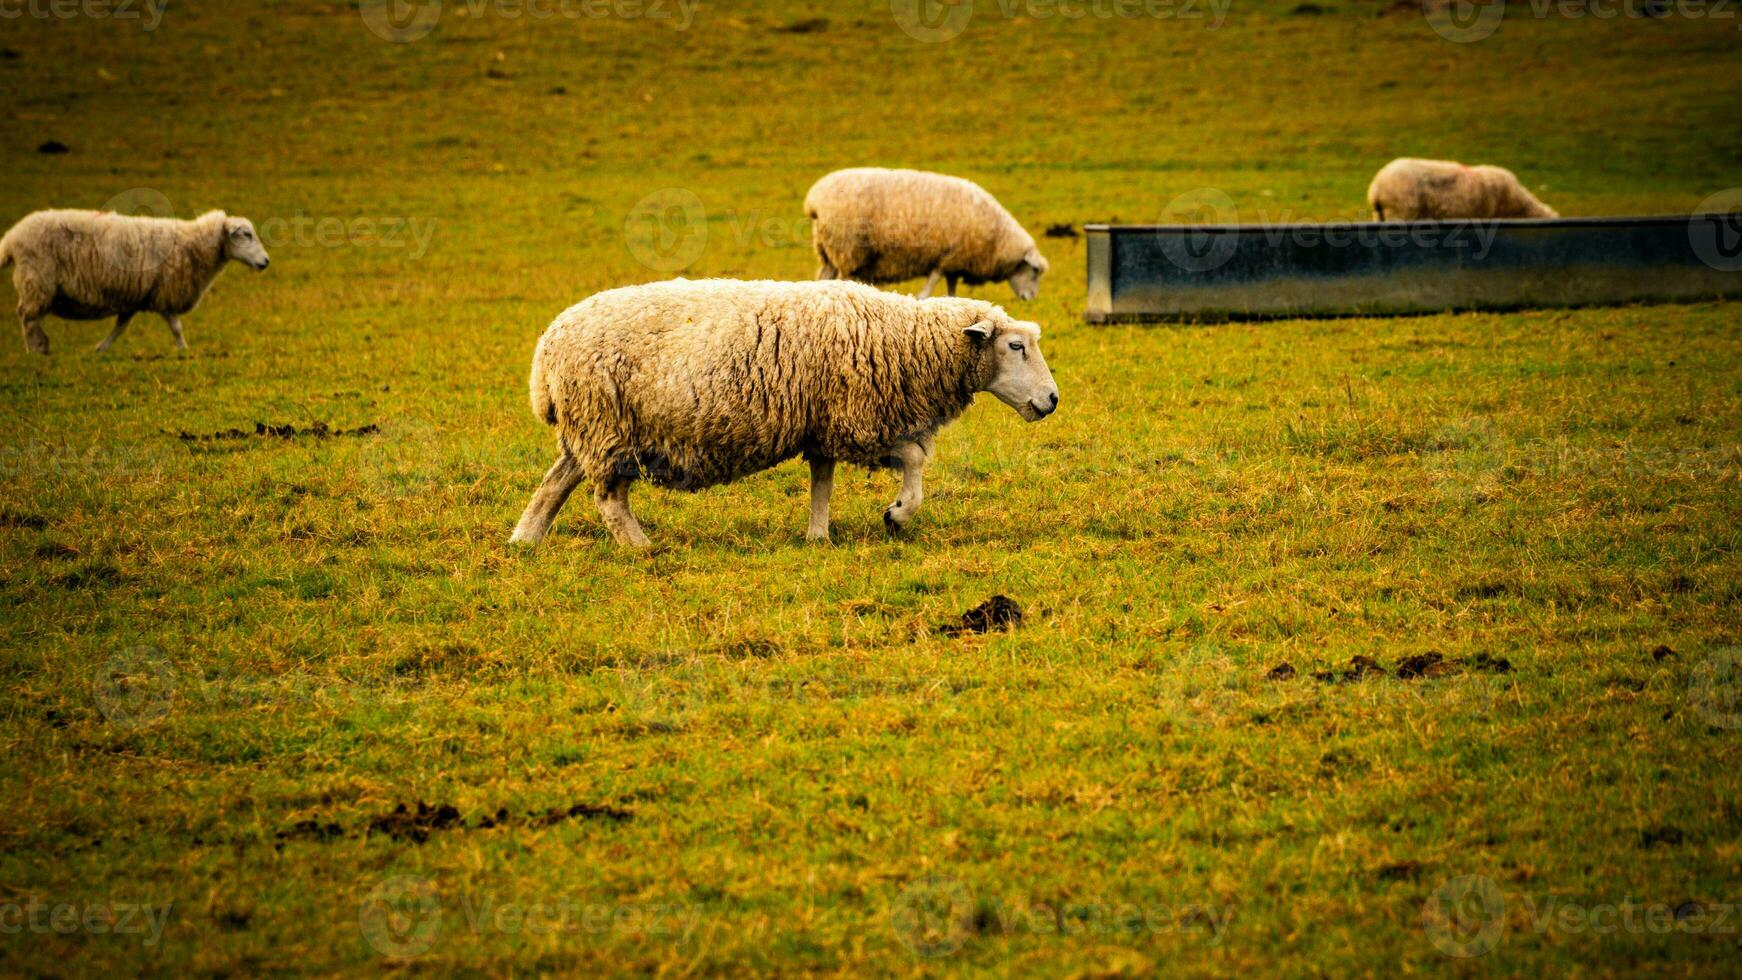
5 250
543 405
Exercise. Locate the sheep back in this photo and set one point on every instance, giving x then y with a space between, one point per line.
85 265
888 226
1410 189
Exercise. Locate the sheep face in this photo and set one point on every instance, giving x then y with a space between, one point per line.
1015 367
1026 280
242 244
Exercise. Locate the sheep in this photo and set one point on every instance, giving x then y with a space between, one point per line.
1410 190
695 384
889 226
91 265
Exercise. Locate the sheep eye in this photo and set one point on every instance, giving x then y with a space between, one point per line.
1018 347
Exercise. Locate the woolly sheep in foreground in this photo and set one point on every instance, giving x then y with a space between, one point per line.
91 265
1413 190
695 384
889 226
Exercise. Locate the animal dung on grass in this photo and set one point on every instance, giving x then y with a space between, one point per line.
416 825
1430 664
997 613
319 430
690 385
1359 669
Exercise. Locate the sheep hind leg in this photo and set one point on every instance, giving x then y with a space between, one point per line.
822 488
952 284
540 514
35 340
121 323
906 506
931 285
619 520
175 331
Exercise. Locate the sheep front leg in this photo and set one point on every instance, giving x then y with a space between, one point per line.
952 283
906 506
822 488
175 330
614 508
121 323
931 284
35 340
540 514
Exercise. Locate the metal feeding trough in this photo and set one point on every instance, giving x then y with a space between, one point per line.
1173 272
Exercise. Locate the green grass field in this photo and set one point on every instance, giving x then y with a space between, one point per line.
227 663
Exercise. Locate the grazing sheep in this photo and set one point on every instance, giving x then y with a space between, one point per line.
695 384
1415 190
91 265
889 226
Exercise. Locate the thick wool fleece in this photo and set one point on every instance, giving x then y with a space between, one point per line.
694 384
889 226
1415 190
89 265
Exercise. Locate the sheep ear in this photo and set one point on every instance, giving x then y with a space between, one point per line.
980 332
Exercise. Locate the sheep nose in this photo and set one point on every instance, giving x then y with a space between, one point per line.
1055 401
264 263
